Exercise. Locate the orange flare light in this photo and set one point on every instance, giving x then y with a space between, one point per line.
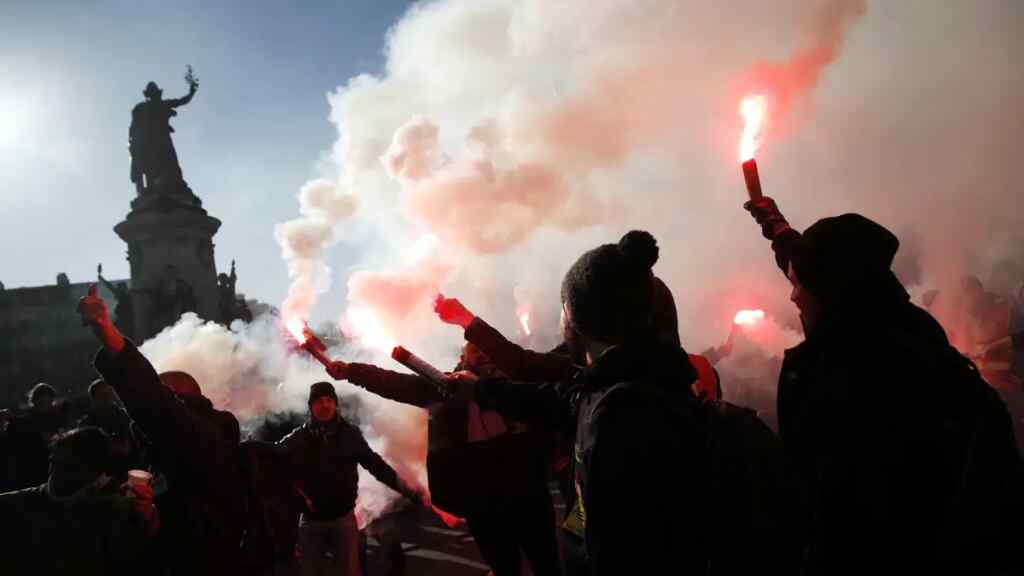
298 330
748 317
752 109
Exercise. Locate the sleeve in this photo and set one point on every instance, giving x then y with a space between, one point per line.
542 404
175 102
785 245
165 420
515 361
374 464
404 388
295 445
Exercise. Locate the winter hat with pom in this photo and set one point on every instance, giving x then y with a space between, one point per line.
609 290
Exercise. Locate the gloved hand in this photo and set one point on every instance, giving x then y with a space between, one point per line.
338 370
767 214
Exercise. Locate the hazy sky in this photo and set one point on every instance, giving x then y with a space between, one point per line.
71 71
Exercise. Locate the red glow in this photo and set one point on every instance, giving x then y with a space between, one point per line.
450 520
748 317
752 109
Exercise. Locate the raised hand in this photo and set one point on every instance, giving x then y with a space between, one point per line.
93 312
451 311
338 370
766 213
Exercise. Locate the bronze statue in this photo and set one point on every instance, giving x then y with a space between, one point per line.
154 160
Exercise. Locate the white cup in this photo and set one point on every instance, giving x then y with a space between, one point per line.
139 478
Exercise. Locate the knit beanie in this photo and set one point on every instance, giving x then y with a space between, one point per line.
609 290
321 389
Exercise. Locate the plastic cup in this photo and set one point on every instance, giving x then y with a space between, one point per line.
139 478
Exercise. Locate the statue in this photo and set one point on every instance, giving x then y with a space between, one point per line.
232 306
124 310
154 161
170 297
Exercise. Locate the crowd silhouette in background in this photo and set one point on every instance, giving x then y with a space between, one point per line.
894 452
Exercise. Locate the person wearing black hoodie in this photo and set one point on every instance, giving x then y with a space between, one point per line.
862 414
195 447
635 416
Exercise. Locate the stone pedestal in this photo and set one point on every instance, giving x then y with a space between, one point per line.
170 249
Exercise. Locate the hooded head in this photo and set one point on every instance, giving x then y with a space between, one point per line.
77 458
41 397
608 293
845 261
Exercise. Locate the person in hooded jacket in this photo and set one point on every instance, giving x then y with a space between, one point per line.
861 409
195 446
629 411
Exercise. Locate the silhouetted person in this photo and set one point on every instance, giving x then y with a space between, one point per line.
149 139
105 413
29 434
884 425
639 453
80 521
193 445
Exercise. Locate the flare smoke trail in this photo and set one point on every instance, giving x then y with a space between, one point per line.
519 134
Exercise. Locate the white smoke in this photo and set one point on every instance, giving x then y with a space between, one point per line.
520 133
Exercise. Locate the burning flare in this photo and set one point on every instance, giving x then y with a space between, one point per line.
298 330
524 319
748 317
752 109
366 327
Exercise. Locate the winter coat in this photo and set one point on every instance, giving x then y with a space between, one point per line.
640 438
95 532
861 422
325 458
472 457
196 448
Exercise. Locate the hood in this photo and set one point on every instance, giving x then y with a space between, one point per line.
663 365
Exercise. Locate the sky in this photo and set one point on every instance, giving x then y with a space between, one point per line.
70 73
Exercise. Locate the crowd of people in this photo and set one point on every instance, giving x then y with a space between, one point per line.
893 453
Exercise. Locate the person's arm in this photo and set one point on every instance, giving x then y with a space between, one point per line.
168 424
775 228
542 404
404 388
513 360
376 466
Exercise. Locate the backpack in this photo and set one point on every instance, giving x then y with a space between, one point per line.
983 470
746 479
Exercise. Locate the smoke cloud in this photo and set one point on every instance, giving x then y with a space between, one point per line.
516 135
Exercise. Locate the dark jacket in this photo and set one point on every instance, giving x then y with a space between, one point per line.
463 475
196 447
325 458
861 417
93 533
29 436
630 409
637 427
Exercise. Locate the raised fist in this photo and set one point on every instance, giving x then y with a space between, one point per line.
767 214
92 309
338 370
451 311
